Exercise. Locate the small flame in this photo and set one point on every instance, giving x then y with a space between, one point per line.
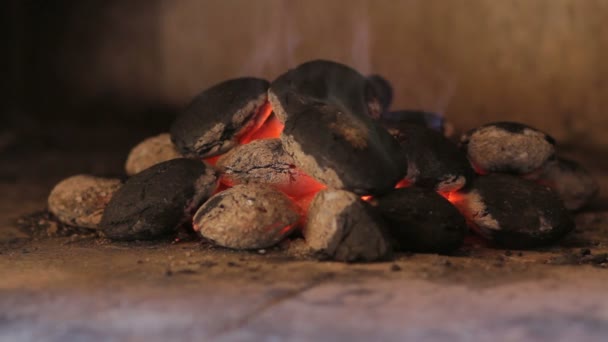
404 183
453 196
367 198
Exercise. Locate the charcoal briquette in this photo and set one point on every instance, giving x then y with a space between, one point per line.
395 119
343 150
434 162
155 202
340 226
80 200
508 147
218 116
571 181
326 82
383 91
151 151
264 161
513 212
420 220
247 216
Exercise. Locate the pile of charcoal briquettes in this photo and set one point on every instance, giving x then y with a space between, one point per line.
317 156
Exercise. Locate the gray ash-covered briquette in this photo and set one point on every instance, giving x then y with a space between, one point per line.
149 152
218 116
340 226
326 82
247 216
572 182
265 161
343 150
434 161
155 202
420 220
260 161
80 200
383 90
392 120
513 212
508 147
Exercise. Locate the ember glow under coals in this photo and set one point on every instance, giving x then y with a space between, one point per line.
324 134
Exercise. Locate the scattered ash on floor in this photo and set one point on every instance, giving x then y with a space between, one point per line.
42 224
582 257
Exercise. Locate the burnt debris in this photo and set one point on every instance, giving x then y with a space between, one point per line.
514 212
508 147
340 226
218 116
251 216
420 220
434 162
155 202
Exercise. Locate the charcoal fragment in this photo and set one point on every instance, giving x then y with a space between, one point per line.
434 162
340 226
247 216
80 200
382 89
150 152
218 116
513 212
420 220
508 147
155 202
572 182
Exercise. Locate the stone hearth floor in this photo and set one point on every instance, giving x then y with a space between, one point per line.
80 288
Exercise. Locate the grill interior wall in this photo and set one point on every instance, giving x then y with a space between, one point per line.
541 62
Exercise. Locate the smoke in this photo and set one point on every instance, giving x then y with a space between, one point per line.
290 32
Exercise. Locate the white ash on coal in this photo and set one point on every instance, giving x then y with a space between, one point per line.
155 202
219 116
247 216
434 162
508 147
383 91
392 121
340 226
571 181
513 212
80 200
265 161
420 220
151 151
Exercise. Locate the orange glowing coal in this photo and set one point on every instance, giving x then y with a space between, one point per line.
266 125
